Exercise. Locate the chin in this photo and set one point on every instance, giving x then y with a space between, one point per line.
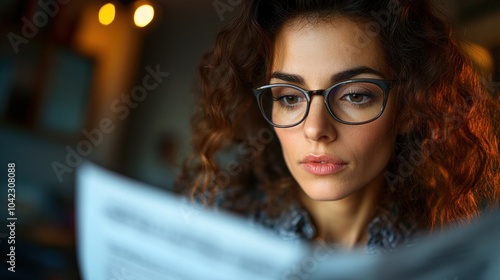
329 193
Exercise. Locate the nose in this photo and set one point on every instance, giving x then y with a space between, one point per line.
319 124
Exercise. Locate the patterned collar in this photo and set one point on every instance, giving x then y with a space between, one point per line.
384 233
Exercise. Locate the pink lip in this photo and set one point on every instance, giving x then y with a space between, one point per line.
322 164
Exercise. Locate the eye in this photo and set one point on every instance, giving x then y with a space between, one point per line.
358 98
359 93
287 96
290 99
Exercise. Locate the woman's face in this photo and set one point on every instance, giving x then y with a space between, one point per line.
328 159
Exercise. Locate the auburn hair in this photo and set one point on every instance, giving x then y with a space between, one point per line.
445 166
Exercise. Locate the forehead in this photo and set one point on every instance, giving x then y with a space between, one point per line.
325 46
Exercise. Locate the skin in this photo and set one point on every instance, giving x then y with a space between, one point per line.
309 53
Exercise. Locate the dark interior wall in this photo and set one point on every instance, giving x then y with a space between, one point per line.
161 121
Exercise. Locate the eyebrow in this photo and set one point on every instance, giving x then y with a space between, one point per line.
338 77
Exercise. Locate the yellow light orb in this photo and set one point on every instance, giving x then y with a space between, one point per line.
107 14
144 15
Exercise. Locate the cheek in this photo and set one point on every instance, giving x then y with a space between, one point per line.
289 141
379 137
373 145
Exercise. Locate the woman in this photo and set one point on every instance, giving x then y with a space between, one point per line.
357 123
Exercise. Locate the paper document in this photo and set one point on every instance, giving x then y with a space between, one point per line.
130 231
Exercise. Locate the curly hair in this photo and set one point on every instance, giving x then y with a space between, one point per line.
445 165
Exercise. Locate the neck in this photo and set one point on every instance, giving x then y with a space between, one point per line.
344 221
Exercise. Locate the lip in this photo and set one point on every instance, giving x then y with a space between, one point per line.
322 165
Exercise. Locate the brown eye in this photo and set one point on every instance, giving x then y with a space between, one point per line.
291 100
357 98
288 96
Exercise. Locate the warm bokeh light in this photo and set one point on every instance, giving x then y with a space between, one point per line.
144 15
480 56
107 14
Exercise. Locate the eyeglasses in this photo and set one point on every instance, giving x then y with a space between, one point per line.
350 102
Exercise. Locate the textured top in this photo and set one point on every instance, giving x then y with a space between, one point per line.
388 230
384 233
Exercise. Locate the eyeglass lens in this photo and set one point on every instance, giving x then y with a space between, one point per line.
354 102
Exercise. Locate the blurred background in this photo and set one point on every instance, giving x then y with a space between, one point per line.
115 82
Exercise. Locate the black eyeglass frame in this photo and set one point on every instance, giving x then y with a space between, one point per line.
385 85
